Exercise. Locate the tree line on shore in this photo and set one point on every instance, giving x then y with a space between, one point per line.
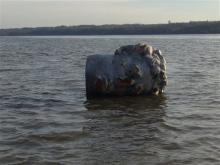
200 27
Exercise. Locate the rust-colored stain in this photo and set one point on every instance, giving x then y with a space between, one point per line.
124 83
99 85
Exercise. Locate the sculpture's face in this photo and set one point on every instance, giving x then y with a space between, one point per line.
141 66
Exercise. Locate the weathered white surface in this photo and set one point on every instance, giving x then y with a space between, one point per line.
132 70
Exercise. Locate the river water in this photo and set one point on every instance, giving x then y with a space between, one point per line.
46 119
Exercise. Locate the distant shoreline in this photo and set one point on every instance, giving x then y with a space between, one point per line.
196 27
92 35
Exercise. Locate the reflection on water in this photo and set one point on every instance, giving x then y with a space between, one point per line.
124 129
127 103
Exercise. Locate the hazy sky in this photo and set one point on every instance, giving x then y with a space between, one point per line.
33 13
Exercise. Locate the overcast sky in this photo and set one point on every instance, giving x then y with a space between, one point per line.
34 13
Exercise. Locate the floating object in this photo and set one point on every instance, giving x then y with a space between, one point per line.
132 70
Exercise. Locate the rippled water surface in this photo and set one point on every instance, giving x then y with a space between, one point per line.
45 117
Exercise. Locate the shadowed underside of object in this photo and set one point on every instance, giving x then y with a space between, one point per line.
132 70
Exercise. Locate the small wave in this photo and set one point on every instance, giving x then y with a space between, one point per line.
170 127
59 136
21 105
30 102
54 102
172 146
43 53
8 70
